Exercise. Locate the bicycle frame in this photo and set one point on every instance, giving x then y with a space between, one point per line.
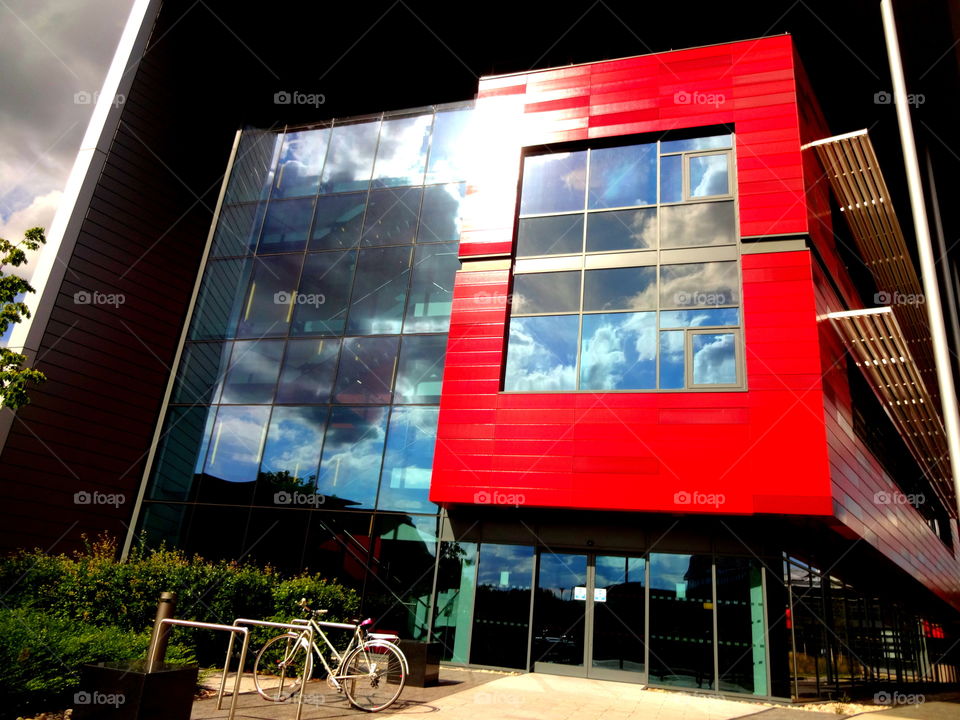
317 626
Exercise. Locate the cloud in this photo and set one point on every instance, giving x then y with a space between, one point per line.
38 213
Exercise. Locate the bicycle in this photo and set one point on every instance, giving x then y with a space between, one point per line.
370 672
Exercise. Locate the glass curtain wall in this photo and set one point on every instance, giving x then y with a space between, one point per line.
303 416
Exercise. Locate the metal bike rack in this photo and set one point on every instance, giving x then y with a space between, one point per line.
243 656
233 630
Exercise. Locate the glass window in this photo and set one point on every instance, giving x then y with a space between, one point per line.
556 235
671 178
709 175
391 216
559 616
546 292
234 454
271 297
181 452
710 223
349 161
337 221
402 152
554 183
286 226
431 288
252 174
301 160
456 588
252 376
619 351
681 610
237 229
292 450
380 291
320 307
699 318
220 300
308 371
709 142
408 461
366 370
352 456
672 367
699 285
623 176
440 214
201 368
542 353
741 639
622 230
420 370
501 618
714 358
451 137
631 288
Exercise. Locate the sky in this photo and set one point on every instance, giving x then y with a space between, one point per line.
55 55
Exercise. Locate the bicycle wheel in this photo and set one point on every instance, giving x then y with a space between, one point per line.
282 666
373 675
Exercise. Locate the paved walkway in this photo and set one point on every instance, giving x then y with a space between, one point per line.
471 694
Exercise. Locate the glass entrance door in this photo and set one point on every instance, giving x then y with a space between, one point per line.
590 616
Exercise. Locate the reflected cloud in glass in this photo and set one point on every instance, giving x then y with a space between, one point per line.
350 158
710 223
352 455
542 353
633 288
714 359
237 439
292 451
408 461
623 176
619 352
301 162
622 230
450 148
699 285
554 183
402 151
546 292
672 373
709 176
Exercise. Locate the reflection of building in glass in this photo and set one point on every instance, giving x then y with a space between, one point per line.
546 377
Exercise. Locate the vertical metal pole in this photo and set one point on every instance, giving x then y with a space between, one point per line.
236 685
226 669
161 633
928 270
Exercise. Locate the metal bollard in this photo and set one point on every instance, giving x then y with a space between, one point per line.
161 633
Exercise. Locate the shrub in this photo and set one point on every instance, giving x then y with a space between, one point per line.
41 656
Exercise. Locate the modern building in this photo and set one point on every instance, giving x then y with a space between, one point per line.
617 369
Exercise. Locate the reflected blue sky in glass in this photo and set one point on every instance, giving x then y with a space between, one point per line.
237 230
546 292
321 307
619 351
431 288
542 353
622 230
337 221
293 443
556 235
181 452
452 135
352 455
506 566
440 213
710 142
408 461
633 288
366 370
253 170
391 217
349 162
671 359
402 151
286 226
667 571
554 183
308 371
708 175
269 299
623 176
714 358
671 178
254 367
301 161
380 291
238 434
699 318
420 369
